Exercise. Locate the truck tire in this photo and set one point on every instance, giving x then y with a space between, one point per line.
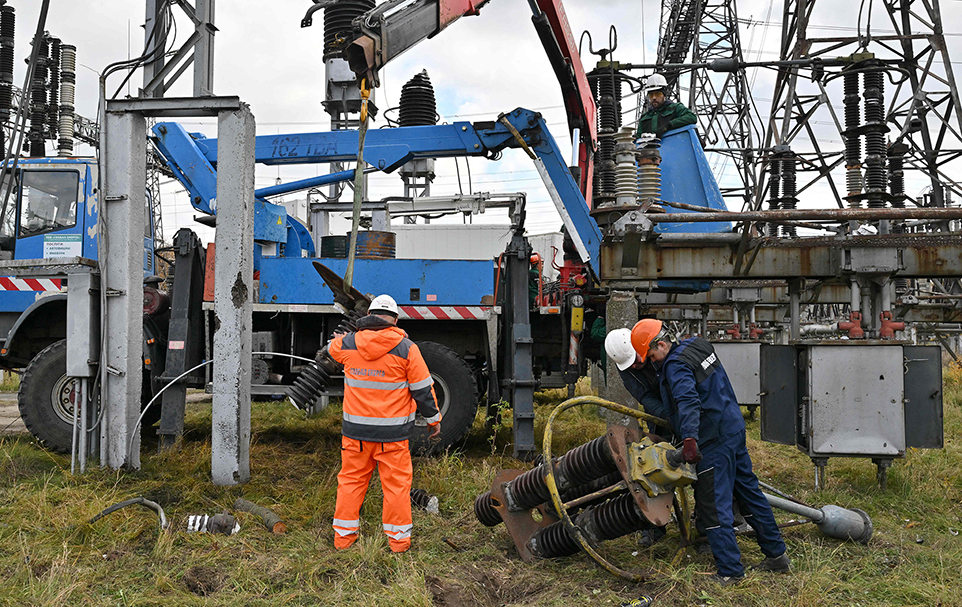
457 395
44 398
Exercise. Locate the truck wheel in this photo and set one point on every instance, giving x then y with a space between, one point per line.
457 395
46 398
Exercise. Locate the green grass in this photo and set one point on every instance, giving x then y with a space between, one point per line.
49 555
10 382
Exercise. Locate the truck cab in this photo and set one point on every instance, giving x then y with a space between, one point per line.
50 214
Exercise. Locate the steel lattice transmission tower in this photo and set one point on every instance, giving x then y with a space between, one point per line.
727 117
913 97
701 31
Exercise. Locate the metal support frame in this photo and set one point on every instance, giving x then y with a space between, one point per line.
519 382
185 335
727 115
159 71
927 93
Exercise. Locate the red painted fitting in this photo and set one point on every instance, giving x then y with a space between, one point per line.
854 327
735 332
889 326
754 331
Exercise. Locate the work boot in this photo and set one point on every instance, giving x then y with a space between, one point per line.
651 536
775 564
725 580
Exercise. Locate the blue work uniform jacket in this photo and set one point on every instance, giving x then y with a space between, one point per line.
698 394
642 384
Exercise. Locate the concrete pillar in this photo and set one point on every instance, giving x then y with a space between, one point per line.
621 311
121 225
233 291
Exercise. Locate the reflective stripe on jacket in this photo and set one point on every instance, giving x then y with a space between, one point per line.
386 381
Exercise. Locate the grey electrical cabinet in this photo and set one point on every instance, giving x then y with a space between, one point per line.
741 360
851 398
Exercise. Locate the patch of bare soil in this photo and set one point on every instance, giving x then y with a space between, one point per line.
203 581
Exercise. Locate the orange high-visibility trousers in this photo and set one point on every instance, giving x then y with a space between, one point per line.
358 460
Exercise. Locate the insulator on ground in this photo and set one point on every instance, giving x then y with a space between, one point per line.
552 541
581 465
615 518
421 498
610 520
418 106
484 510
598 484
584 464
337 23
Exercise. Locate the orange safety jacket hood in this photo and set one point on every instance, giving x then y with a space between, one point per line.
386 382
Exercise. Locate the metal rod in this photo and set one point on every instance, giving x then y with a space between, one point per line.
814 514
619 486
843 214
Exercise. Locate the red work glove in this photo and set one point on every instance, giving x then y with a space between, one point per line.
690 451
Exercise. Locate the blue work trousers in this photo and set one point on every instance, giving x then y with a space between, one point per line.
725 471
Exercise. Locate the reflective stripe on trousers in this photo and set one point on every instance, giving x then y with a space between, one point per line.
358 460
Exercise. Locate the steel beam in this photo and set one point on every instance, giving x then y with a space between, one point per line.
233 291
819 258
121 232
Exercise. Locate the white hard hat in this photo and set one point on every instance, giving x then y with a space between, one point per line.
654 83
618 347
383 304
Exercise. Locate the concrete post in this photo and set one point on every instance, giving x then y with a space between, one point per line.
233 290
621 311
122 272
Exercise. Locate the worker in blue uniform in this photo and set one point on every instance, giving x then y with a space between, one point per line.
704 411
641 380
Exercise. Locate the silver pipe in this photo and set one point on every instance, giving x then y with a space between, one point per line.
834 521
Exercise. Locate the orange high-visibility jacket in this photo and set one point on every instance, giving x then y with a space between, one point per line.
385 381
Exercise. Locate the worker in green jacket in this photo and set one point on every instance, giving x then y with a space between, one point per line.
664 115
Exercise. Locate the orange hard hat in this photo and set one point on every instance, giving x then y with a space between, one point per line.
535 259
642 334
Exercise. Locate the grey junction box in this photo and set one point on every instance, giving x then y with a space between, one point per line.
851 398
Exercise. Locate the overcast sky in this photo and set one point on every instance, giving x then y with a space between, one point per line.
480 66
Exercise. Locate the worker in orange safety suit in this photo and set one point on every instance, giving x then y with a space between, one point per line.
385 381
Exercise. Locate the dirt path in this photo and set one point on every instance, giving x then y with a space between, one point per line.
10 422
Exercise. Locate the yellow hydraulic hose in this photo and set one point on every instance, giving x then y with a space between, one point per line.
573 530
